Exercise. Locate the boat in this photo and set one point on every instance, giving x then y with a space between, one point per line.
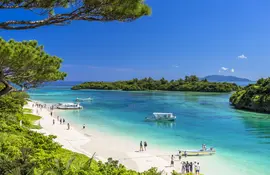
201 152
68 106
83 99
157 116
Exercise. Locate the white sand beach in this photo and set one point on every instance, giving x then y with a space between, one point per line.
89 141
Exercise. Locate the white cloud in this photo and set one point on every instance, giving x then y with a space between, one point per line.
242 56
176 66
224 68
232 70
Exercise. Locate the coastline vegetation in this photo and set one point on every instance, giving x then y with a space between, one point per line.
23 151
254 97
190 83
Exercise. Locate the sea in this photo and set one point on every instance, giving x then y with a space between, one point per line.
241 138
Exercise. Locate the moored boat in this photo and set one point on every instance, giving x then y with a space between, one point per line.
69 106
157 116
201 152
83 99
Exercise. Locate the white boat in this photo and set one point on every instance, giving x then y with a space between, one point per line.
83 99
69 106
157 116
201 152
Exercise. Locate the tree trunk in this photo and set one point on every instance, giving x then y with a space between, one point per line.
7 88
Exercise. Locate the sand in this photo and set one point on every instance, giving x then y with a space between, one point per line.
105 145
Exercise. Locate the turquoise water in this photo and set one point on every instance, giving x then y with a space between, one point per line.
241 138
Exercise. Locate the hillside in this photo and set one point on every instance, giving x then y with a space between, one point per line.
218 78
254 97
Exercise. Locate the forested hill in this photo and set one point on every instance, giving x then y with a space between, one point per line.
190 83
254 97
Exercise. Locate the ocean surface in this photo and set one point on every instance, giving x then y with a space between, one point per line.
242 139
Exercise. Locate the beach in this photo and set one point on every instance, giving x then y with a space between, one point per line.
104 145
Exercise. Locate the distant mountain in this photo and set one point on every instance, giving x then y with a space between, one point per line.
225 78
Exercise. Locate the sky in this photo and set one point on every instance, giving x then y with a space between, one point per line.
181 37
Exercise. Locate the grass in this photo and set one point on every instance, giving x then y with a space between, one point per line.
32 118
27 110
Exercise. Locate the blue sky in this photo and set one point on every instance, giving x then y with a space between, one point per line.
181 37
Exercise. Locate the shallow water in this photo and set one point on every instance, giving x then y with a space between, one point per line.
242 139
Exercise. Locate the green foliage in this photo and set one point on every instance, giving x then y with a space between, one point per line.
86 10
27 65
27 110
25 152
254 97
191 83
31 117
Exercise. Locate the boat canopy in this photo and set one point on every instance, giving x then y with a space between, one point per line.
69 104
162 115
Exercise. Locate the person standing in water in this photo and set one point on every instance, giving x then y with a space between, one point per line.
83 126
180 155
172 161
145 145
185 154
141 146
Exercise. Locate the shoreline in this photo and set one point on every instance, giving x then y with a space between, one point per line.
118 147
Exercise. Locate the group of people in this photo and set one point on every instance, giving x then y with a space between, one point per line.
188 167
143 146
62 121
38 105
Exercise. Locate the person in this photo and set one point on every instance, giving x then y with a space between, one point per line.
53 121
60 121
185 154
58 118
68 125
191 167
141 146
51 113
198 169
180 154
183 167
187 167
64 121
145 145
83 126
172 161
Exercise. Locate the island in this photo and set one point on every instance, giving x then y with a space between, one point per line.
254 97
190 83
224 78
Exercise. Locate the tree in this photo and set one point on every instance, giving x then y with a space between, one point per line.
192 78
27 65
71 10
